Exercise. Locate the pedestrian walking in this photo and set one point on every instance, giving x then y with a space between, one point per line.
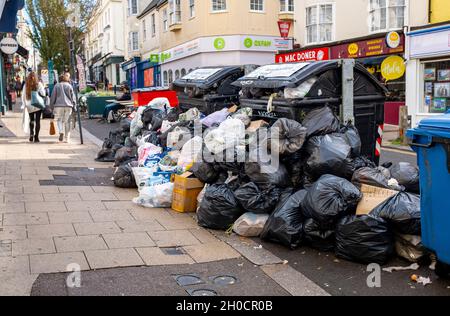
33 95
63 104
19 86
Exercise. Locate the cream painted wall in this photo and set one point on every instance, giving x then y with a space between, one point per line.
133 24
236 20
151 44
352 17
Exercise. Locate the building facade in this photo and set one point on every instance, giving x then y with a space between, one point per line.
428 65
104 43
177 36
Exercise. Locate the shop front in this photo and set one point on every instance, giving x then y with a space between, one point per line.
219 51
131 72
381 54
112 70
428 72
149 74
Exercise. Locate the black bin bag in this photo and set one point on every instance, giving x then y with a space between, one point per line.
378 177
285 225
328 199
317 238
206 172
290 136
353 139
328 154
407 175
402 212
124 177
219 208
266 175
321 121
364 239
256 201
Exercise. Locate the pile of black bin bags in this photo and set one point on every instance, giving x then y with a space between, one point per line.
310 196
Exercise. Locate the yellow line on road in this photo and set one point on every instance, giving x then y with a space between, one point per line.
399 151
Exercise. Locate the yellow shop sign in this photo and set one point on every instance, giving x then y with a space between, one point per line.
393 68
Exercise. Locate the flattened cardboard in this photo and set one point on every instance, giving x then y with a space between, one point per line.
372 197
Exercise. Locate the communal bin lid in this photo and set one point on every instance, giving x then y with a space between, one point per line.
206 77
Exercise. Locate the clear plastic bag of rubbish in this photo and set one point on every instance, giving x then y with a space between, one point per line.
141 174
409 247
219 208
229 134
257 201
146 150
289 136
285 225
329 199
402 212
407 175
160 104
157 196
216 118
167 125
136 124
301 90
191 115
168 164
250 224
321 121
191 153
317 238
379 177
178 138
124 177
364 239
328 154
244 118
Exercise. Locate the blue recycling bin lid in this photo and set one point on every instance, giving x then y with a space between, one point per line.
436 126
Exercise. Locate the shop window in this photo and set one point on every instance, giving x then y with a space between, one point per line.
219 5
175 11
177 74
183 72
257 5
436 86
287 6
170 76
191 8
165 21
319 23
190 70
165 78
153 25
387 14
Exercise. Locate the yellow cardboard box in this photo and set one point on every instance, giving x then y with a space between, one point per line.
185 193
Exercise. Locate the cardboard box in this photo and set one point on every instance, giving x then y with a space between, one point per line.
233 109
372 197
185 193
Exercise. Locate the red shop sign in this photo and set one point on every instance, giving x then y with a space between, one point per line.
285 27
315 54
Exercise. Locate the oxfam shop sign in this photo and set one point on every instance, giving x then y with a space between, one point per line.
249 43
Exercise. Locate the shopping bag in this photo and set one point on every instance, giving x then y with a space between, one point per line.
37 100
52 128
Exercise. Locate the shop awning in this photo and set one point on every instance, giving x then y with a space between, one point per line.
23 52
8 16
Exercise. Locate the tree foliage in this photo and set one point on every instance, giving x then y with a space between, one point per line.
49 31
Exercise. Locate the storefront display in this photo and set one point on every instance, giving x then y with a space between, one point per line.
428 72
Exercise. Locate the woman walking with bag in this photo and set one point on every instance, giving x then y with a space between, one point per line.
63 102
33 95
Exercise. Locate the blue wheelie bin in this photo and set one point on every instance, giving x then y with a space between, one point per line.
431 141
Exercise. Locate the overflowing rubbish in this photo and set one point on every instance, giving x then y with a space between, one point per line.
290 182
250 224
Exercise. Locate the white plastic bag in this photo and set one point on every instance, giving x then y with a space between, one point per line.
161 104
229 134
141 174
191 152
136 124
155 196
301 91
178 138
166 125
250 224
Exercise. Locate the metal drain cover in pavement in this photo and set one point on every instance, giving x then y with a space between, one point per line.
224 280
173 251
202 292
188 280
80 176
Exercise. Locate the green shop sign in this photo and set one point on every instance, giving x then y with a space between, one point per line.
248 42
154 58
165 56
219 43
263 43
